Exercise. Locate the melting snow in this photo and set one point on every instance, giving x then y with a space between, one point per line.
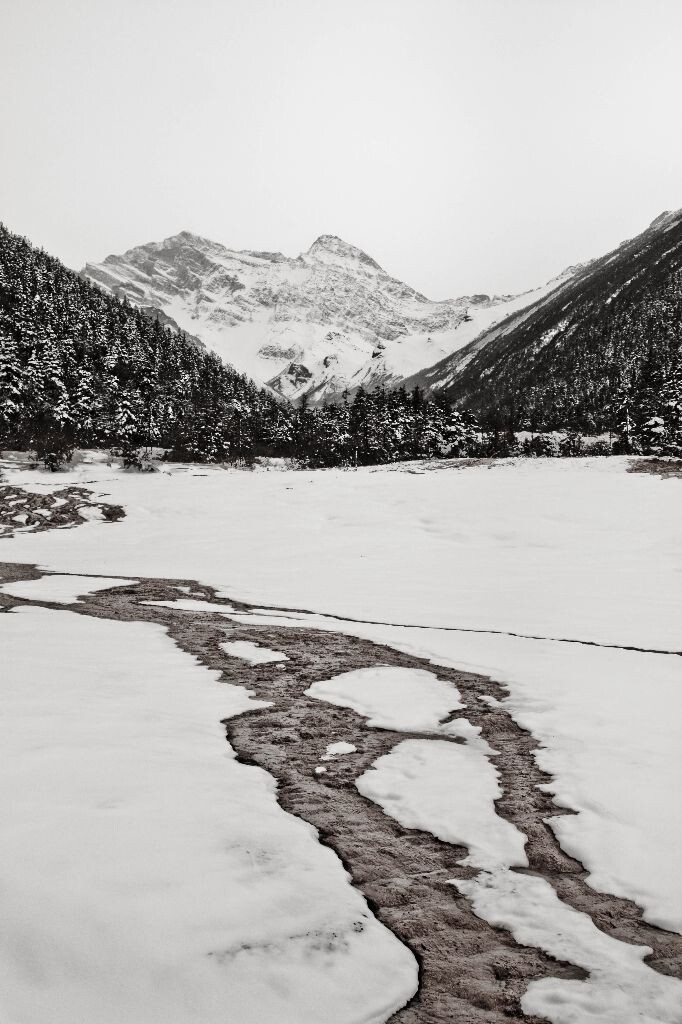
449 790
391 698
147 875
253 653
335 749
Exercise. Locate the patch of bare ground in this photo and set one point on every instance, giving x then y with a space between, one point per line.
63 509
470 972
665 468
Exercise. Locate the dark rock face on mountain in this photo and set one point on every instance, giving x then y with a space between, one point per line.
601 349
332 311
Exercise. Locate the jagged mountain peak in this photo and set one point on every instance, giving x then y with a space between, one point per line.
208 245
169 245
188 236
183 238
666 219
331 248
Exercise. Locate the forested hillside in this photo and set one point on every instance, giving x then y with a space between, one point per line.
79 368
602 353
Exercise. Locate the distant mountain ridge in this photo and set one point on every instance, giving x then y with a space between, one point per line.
321 323
601 349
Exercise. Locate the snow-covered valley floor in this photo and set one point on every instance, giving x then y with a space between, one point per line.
475 712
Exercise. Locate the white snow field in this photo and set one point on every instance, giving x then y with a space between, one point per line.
549 547
458 559
146 875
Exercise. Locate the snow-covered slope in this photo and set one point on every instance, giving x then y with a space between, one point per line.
328 320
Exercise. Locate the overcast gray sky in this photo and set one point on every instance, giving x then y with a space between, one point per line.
467 145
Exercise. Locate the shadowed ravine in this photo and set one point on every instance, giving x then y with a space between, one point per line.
469 970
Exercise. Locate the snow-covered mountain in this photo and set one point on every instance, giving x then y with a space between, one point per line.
323 322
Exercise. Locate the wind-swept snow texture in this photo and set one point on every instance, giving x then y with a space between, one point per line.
147 876
328 320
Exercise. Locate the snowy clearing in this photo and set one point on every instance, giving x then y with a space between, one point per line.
460 558
551 547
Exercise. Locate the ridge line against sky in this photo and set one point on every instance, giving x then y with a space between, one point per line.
465 146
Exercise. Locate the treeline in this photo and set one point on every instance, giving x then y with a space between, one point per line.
381 426
79 368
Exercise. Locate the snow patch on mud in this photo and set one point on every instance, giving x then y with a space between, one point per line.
253 653
392 698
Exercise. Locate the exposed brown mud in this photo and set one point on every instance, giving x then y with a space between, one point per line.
469 971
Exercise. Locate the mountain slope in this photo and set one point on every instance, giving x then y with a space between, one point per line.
605 344
79 367
327 321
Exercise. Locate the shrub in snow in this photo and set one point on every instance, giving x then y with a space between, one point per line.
571 445
597 448
54 449
542 446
